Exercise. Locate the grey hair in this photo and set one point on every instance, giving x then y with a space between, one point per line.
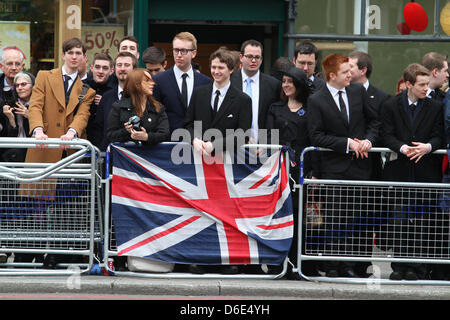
2 53
26 75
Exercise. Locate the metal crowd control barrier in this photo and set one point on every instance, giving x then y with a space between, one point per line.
372 221
49 208
110 248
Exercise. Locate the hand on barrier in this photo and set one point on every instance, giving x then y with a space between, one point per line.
360 147
40 135
418 151
202 147
258 151
67 137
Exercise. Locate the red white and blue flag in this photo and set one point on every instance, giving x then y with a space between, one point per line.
200 213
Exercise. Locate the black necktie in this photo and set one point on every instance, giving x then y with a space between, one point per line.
66 87
184 93
343 107
216 103
412 107
433 94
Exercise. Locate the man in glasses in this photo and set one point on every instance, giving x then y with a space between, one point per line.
173 87
262 88
11 63
306 57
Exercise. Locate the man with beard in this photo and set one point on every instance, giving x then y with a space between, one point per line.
124 63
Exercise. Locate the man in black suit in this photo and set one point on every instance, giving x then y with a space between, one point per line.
262 88
218 106
413 127
173 87
361 68
342 119
437 64
306 58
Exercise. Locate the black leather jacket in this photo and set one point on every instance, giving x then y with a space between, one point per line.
155 123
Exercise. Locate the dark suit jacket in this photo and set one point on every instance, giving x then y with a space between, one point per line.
94 132
318 83
269 92
167 92
99 125
328 129
447 118
398 129
377 97
235 112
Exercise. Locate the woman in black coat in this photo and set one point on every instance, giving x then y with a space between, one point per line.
138 116
289 116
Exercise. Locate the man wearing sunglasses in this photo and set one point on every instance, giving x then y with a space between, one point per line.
173 87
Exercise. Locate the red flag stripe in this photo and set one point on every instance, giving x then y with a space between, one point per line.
159 235
276 226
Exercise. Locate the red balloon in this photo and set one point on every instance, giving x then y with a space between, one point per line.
403 28
415 16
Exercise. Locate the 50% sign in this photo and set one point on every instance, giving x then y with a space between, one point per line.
101 41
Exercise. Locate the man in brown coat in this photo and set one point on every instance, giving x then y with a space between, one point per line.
55 112
52 112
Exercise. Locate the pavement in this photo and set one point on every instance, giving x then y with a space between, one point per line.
163 287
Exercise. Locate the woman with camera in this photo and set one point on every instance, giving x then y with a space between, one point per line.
138 116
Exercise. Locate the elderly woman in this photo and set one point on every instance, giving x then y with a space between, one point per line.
17 115
138 116
16 125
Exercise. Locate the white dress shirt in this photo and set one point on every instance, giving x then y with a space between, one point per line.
335 94
255 101
223 92
72 76
189 80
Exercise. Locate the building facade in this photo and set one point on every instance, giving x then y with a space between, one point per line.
378 27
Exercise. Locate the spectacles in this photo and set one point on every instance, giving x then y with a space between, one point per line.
182 51
251 57
22 84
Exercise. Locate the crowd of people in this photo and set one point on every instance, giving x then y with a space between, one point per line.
337 108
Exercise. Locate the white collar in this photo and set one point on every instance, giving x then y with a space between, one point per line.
335 91
366 85
255 77
223 91
410 102
179 73
72 76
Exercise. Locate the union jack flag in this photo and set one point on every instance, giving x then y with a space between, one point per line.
223 212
